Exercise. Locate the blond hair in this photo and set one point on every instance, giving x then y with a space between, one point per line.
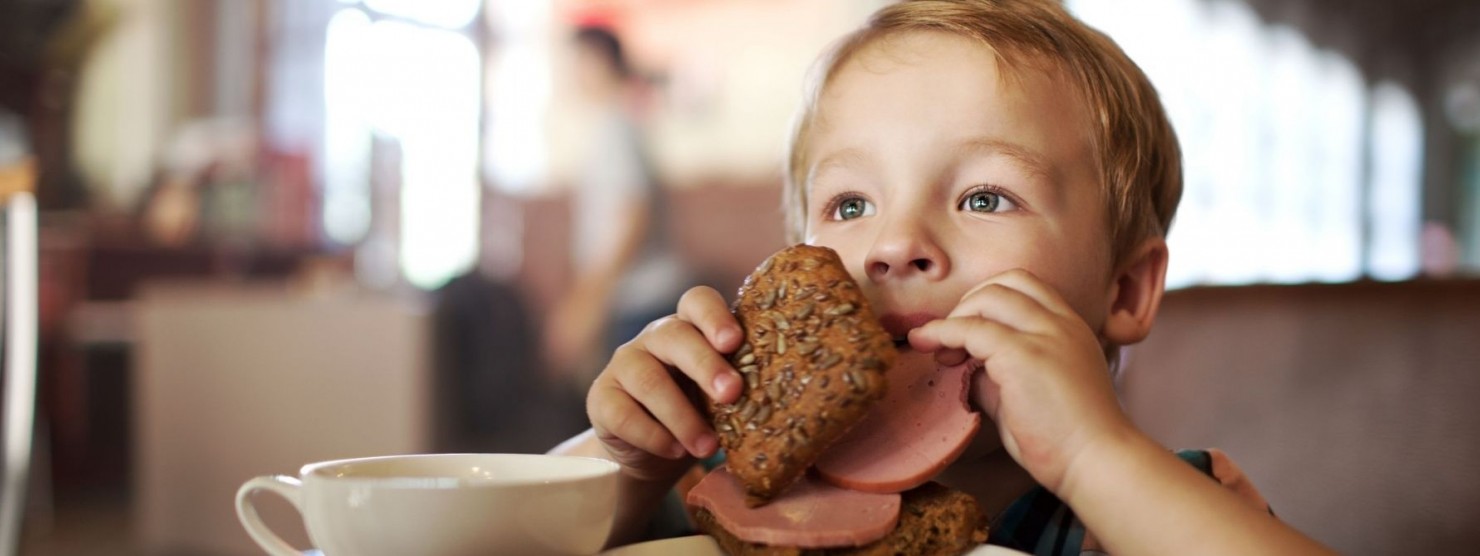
1136 150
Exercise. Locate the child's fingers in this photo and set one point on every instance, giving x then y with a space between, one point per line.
677 343
1006 304
951 357
651 385
706 309
1030 285
614 413
981 337
986 395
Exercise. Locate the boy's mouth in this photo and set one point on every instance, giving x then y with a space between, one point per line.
899 326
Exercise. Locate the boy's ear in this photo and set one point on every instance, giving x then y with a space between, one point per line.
1136 292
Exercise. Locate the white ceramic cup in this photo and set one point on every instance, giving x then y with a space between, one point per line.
444 504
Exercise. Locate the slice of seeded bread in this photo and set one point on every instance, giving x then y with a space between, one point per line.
934 520
813 360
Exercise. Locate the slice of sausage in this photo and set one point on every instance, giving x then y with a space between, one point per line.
922 425
810 514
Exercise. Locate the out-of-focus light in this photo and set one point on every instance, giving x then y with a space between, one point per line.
1462 106
426 94
515 150
1397 168
1271 130
1334 206
347 73
452 14
420 86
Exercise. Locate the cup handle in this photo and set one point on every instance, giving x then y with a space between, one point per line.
283 485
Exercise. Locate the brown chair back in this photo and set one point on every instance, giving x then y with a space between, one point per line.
1354 408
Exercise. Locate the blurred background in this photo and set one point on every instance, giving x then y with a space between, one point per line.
283 231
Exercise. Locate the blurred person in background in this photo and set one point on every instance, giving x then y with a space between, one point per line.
627 273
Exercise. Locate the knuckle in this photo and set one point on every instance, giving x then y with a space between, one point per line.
666 326
712 362
1037 350
604 416
996 289
629 429
622 353
646 380
699 302
1022 274
693 296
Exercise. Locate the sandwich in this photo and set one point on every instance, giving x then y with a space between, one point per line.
830 449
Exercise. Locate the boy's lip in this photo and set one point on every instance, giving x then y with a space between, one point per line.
899 325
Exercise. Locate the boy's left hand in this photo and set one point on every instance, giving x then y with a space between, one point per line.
1045 384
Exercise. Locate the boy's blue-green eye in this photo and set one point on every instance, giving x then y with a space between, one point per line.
982 201
852 207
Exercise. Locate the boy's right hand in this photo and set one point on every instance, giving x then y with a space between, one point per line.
638 406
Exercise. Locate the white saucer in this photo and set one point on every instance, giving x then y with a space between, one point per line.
994 550
697 545
703 545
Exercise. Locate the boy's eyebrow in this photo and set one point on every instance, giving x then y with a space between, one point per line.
1035 163
838 159
1031 160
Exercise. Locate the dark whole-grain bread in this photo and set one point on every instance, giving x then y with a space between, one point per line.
934 520
813 361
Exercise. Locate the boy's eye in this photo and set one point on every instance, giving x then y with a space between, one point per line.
986 201
852 207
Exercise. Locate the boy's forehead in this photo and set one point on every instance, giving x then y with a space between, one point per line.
949 65
912 47
951 94
909 49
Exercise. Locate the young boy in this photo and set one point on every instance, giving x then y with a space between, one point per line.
999 179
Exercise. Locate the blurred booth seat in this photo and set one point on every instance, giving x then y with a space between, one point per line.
235 381
1352 407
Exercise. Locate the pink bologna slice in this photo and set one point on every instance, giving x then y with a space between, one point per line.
810 514
922 425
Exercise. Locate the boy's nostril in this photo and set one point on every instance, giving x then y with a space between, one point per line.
921 264
879 268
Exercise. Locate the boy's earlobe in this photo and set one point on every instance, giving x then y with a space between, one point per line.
1136 293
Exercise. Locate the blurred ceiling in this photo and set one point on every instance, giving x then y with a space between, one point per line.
1418 30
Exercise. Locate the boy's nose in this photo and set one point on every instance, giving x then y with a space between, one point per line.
905 249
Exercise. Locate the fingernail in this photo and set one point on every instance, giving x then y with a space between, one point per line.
677 451
727 334
722 383
706 445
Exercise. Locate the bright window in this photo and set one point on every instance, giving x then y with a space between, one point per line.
1274 139
449 14
518 100
1397 165
419 84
